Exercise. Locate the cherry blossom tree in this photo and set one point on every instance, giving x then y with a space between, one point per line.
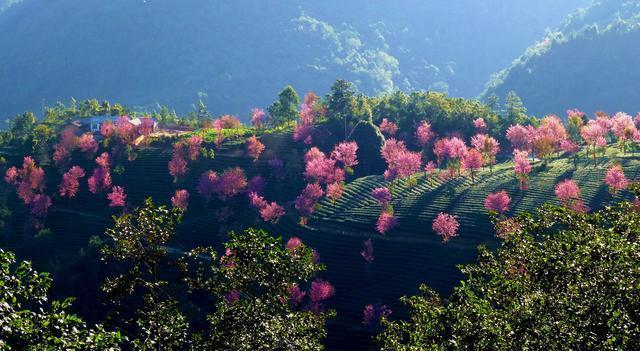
594 135
117 197
320 291
63 149
424 134
386 222
180 199
272 212
40 205
382 196
29 181
146 126
497 202
177 167
88 144
615 179
107 129
480 125
257 118
104 160
568 192
231 182
207 184
100 180
522 167
401 163
324 170
346 153
430 170
520 137
334 191
306 201
453 151
70 182
373 314
472 162
623 128
446 226
304 129
367 251
125 130
488 147
255 148
570 148
551 127
388 128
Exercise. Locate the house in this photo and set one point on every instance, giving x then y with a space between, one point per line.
93 123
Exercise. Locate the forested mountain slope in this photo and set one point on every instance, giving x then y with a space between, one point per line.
236 55
590 63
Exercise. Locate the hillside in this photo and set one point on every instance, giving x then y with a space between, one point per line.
404 258
593 49
145 53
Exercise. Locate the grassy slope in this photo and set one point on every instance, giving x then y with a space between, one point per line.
405 257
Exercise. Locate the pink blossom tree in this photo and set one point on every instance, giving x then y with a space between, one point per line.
424 134
257 118
306 201
401 163
488 147
346 153
146 126
386 222
231 182
117 197
594 135
70 182
472 162
29 181
568 192
522 167
382 196
623 128
430 170
107 129
497 202
272 212
180 199
334 191
320 291
480 125
388 128
373 314
100 180
446 226
453 151
88 144
367 251
255 148
615 179
207 184
520 137
40 205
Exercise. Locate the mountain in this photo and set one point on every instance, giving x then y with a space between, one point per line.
590 62
237 55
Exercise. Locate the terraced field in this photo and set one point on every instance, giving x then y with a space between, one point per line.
404 258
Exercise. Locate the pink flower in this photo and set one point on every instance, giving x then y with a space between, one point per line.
257 201
321 290
446 226
386 222
367 251
177 166
487 145
479 124
107 129
255 147
616 179
498 202
622 126
569 147
100 180
271 212
424 134
257 117
180 199
70 182
519 136
472 161
11 176
382 195
306 201
374 313
103 160
117 197
293 244
40 205
88 144
346 152
226 185
388 128
334 191
567 191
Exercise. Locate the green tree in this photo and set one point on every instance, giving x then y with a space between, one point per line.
515 112
139 249
260 272
22 125
560 281
285 109
341 103
29 322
